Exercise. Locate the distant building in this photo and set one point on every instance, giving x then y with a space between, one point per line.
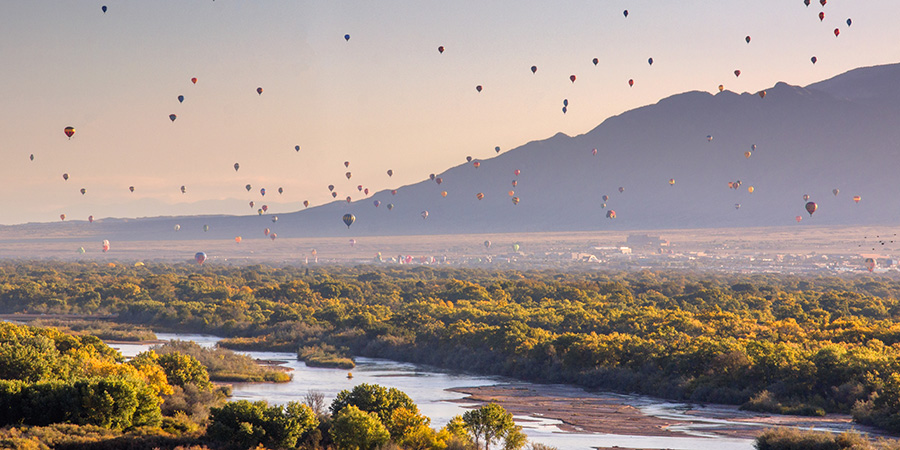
645 240
613 250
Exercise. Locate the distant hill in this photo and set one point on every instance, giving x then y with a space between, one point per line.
840 133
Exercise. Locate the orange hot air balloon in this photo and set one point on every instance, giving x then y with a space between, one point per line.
194 80
750 189
747 154
259 90
515 200
731 185
762 94
479 196
70 131
476 164
305 203
857 198
631 82
737 73
811 207
443 193
572 78
512 193
237 239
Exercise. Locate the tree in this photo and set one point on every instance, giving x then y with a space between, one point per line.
243 424
491 423
375 399
355 429
182 369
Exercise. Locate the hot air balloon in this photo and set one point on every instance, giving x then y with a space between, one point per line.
814 59
349 199
237 239
248 187
479 196
259 90
515 247
424 215
377 203
347 37
821 16
359 188
194 80
348 175
671 182
762 94
565 109
631 82
390 173
305 203
747 154
515 200
251 204
83 190
200 257
103 8
444 194
595 61
478 88
621 189
533 69
349 219
566 102
267 231
105 246
837 32
476 164
297 148
721 87
594 152
747 39
870 264
611 214
603 206
737 73
605 198
236 167
393 192
182 189
390 206
709 138
857 198
331 187
62 217
66 176
572 78
835 191
753 147
806 2
811 208
517 172
750 189
265 208
441 49
798 218
352 242
31 157
131 188
515 183
805 197
468 159
262 192
274 219
90 219
737 206
273 236
511 193
849 22
205 228
177 227
497 149
180 99
172 117
650 61
625 13
70 131
438 180
487 244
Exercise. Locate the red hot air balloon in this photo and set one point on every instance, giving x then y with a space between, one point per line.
798 218
837 32
821 16
811 207
631 82
823 2
194 80
476 164
90 219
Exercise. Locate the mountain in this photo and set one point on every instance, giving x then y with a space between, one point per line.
840 133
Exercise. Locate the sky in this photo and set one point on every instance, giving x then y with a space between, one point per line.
384 99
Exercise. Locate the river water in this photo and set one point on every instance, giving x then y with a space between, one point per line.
428 388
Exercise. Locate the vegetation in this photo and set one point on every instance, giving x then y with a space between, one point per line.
794 439
787 344
223 364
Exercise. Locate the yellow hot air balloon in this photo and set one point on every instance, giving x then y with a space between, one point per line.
750 189
671 182
443 193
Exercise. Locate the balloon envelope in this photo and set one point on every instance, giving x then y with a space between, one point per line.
811 207
348 219
70 131
200 257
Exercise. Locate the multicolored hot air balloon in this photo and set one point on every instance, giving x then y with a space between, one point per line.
870 264
857 198
62 217
70 131
259 90
349 219
479 195
131 188
90 219
515 200
305 203
611 214
237 239
811 207
835 191
105 246
487 244
200 257
424 215
671 182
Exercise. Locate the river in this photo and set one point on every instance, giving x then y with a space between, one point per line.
428 388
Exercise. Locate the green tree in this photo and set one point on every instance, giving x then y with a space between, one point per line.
243 424
355 429
182 369
491 423
375 399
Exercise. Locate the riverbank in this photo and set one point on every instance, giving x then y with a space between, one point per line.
580 411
